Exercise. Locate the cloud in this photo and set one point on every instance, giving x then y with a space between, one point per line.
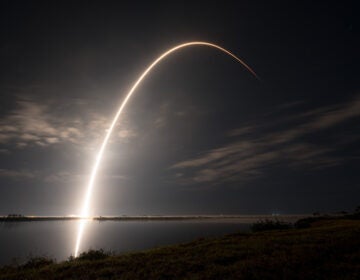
239 148
337 115
169 111
4 151
62 177
66 176
18 174
242 131
248 157
127 134
31 123
319 119
162 115
45 123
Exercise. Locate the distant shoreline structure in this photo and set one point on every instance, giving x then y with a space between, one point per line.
243 218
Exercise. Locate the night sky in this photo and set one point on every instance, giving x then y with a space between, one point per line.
201 135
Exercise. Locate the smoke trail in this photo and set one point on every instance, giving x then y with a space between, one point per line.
85 209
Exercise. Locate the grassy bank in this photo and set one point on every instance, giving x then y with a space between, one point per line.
327 249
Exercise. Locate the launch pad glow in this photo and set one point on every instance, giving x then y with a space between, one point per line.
86 203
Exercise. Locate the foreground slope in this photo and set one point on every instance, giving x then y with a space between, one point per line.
329 249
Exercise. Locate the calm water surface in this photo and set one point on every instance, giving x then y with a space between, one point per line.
56 239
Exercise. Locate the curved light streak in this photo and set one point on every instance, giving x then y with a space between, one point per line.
85 210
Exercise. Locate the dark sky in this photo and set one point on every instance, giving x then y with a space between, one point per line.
201 135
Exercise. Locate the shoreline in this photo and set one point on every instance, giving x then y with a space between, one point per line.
154 218
319 250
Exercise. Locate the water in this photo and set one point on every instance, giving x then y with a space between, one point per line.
56 239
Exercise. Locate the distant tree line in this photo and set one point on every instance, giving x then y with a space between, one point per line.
15 215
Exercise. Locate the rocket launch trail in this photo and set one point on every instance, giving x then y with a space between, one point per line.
86 202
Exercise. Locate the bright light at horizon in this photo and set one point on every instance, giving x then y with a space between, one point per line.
86 204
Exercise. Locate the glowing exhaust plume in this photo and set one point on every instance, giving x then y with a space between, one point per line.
85 209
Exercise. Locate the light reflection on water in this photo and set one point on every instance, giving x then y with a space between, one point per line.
56 239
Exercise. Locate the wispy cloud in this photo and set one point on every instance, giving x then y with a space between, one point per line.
44 123
248 156
66 176
62 177
319 119
18 174
4 151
